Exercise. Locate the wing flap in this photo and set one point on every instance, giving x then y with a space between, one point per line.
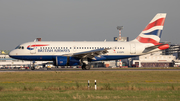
89 54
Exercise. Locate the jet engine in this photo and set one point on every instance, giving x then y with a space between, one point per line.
66 61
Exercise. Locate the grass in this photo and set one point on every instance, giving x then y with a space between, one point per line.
111 85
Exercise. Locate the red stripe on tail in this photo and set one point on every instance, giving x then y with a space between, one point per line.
146 40
159 22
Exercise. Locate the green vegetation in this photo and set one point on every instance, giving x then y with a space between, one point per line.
111 85
4 52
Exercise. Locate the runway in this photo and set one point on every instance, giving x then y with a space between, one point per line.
92 69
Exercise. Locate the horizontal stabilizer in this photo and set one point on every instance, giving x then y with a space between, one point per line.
164 45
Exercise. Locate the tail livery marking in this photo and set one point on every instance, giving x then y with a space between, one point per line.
159 22
155 32
152 32
146 40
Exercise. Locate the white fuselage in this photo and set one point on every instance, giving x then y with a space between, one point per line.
119 50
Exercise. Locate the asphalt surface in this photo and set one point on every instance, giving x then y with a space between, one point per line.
92 69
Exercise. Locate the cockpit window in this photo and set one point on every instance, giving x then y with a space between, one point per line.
19 47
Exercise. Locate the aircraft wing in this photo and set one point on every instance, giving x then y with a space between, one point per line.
90 54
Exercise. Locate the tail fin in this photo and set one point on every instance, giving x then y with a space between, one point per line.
152 32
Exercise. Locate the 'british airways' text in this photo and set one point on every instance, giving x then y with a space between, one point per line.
53 50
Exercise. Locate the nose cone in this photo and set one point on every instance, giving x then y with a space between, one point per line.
12 53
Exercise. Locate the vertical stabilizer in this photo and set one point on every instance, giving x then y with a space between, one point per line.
152 32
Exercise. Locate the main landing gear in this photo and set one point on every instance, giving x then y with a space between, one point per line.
33 66
85 67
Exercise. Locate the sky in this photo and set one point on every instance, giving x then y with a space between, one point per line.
83 20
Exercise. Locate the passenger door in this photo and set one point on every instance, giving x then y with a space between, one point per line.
132 48
33 48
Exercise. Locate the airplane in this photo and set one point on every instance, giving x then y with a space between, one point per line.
70 53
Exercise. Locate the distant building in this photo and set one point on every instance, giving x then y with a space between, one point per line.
123 39
6 61
174 49
155 60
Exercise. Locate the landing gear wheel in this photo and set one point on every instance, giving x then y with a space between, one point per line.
32 68
85 67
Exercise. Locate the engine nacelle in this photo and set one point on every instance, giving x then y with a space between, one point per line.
66 61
